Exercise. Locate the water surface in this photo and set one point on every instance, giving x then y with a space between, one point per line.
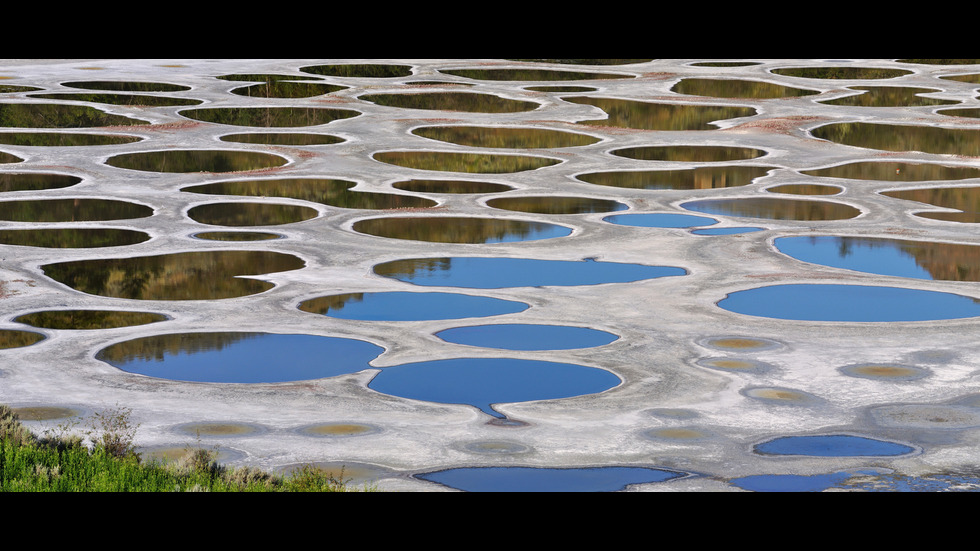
58 115
528 74
964 199
409 306
556 205
35 181
522 336
454 229
464 162
88 319
895 171
894 137
775 208
196 160
450 186
712 177
644 115
689 153
72 237
537 479
71 210
841 73
269 116
505 137
832 445
735 88
61 139
326 191
283 138
659 220
889 96
250 214
472 102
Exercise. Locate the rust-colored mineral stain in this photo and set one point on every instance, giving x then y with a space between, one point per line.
776 394
885 371
219 429
739 343
732 364
338 429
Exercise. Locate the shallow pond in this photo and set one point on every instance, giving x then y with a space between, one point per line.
894 137
283 138
464 162
13 338
453 229
269 116
505 137
498 273
326 191
644 115
895 171
72 237
58 115
71 210
471 102
849 303
522 336
712 177
964 199
734 88
362 70
659 220
775 209
483 382
240 357
250 214
528 74
689 153
33 181
832 445
409 306
537 479
63 139
549 204
88 319
196 160
889 96
451 186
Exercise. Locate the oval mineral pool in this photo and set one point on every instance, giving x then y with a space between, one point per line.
120 99
893 137
408 306
537 479
58 115
63 139
519 336
197 275
895 257
196 160
498 273
13 338
888 96
725 231
734 88
660 116
482 382
805 189
706 177
964 199
236 235
505 137
450 186
832 445
529 74
689 153
790 482
452 101
285 89
72 237
240 357
250 214
283 138
556 205
71 210
269 116
326 191
362 70
126 86
895 171
775 208
8 158
454 229
464 162
88 319
35 181
849 303
660 220
841 73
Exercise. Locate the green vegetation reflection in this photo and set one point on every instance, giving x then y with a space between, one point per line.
732 88
250 214
503 137
269 116
530 74
198 275
450 186
964 199
841 73
31 181
63 139
56 115
589 61
556 205
196 160
8 158
805 189
88 319
13 88
71 210
965 112
889 96
687 179
285 89
973 78
896 171
236 235
363 70
644 115
121 99
689 153
126 86
263 77
284 138
326 191
452 101
775 209
892 137
72 237
12 338
464 162
454 229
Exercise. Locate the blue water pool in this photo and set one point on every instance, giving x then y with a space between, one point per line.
482 382
846 303
496 273
518 336
533 479
725 231
407 306
832 445
660 220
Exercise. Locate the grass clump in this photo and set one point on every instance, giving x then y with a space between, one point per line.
61 460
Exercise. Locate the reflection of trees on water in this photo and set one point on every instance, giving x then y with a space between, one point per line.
326 191
71 210
72 237
367 70
13 88
29 181
11 338
250 214
689 153
450 186
841 73
120 99
891 137
269 116
410 267
733 88
695 178
127 86
262 77
589 61
965 199
660 116
513 138
805 189
530 74
889 96
54 115
196 161
775 209
445 229
896 172
283 89
322 305
943 261
452 101
59 139
201 275
8 158
88 319
157 347
556 205
236 236
464 162
974 78
290 138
